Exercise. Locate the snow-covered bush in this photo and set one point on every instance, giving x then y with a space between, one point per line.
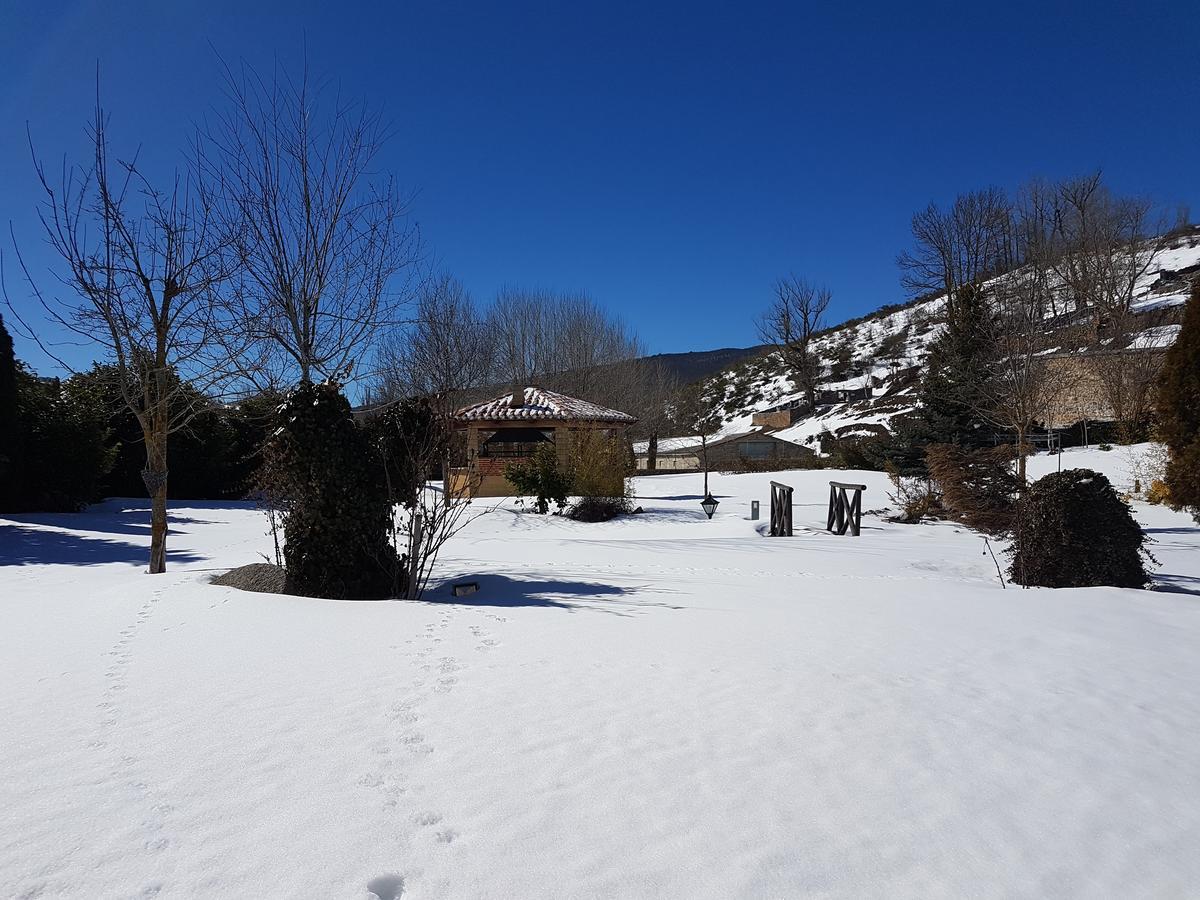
1072 530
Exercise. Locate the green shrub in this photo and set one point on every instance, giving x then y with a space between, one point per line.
1072 530
600 469
540 477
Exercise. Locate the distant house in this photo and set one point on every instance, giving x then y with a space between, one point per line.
504 430
757 449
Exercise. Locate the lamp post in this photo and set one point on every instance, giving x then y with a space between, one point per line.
709 504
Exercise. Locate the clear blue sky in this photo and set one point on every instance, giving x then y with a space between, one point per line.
672 160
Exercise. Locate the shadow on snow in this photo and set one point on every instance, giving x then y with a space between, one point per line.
21 546
506 592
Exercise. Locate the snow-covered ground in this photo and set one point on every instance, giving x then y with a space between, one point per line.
660 706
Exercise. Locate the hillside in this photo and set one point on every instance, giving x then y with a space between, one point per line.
697 364
874 362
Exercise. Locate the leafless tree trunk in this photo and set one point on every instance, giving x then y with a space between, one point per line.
144 265
795 317
322 247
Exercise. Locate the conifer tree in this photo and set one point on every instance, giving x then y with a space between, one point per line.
8 416
1179 409
952 396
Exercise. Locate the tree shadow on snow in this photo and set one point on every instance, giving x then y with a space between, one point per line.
696 497
20 546
1175 584
505 592
106 519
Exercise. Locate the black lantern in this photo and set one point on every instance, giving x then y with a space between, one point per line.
709 505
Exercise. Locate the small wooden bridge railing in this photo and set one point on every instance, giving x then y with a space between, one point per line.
845 513
781 510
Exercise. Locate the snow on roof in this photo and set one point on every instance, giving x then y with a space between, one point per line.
668 445
685 446
539 404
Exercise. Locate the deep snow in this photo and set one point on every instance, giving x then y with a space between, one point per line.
660 706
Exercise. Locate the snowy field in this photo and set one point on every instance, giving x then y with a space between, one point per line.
660 706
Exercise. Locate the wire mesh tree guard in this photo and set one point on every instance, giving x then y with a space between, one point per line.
845 514
781 510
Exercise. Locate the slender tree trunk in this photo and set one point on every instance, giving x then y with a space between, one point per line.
652 452
1021 456
156 485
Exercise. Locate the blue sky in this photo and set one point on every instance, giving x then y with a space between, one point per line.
670 159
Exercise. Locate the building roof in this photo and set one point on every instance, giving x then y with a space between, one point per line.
541 405
691 445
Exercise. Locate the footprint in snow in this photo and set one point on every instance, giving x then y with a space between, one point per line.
386 887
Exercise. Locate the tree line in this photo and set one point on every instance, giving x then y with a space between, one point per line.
275 256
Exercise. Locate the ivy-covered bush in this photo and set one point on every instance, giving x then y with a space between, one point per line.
329 486
1073 530
541 478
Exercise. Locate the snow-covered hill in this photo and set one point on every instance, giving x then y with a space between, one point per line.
876 360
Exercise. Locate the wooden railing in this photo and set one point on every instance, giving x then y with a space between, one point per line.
845 513
781 510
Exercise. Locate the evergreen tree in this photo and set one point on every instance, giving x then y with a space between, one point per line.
1179 409
8 417
951 395
62 440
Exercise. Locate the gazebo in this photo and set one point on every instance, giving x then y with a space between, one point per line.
508 429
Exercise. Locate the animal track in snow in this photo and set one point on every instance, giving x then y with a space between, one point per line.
387 887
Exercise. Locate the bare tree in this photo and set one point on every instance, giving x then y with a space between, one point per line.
444 353
652 388
412 439
960 247
1099 246
143 265
696 413
321 244
566 342
1019 387
795 317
